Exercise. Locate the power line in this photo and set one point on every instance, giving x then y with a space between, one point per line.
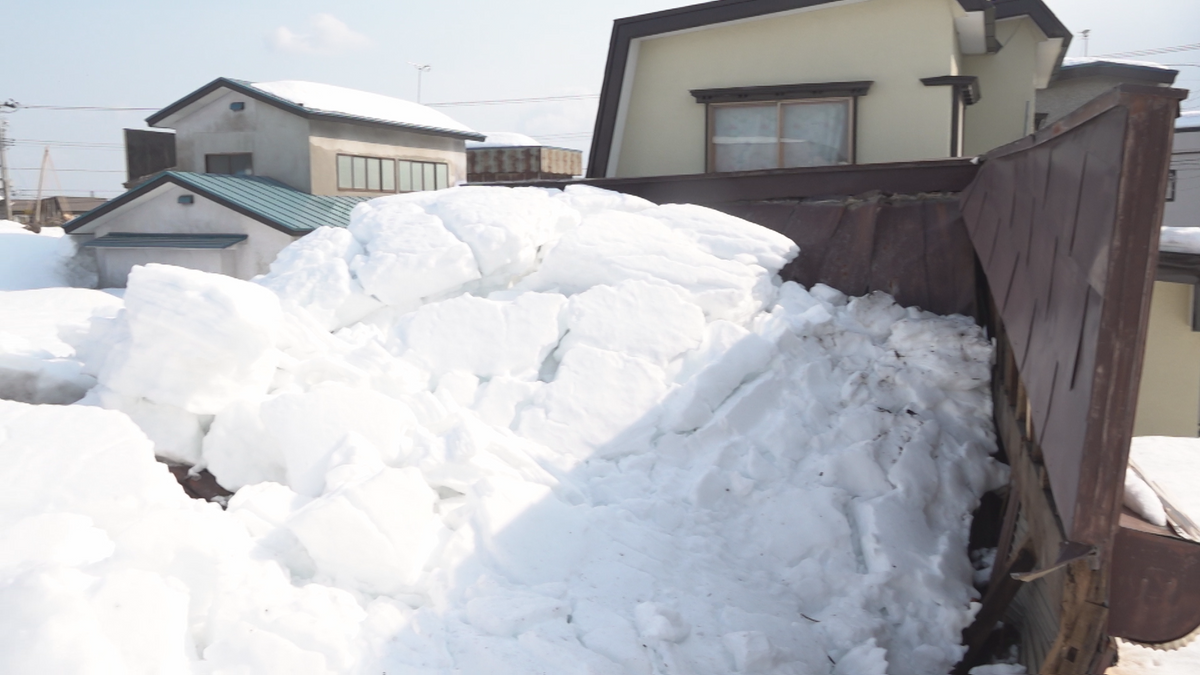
1156 50
504 101
88 108
26 168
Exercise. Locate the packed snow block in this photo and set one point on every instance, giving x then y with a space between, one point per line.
488 338
176 433
31 260
197 341
588 200
727 237
410 255
314 274
531 535
728 356
374 536
600 403
295 438
504 227
611 247
653 321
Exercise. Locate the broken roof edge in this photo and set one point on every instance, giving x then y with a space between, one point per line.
626 30
248 88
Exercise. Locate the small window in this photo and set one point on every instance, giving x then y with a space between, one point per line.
237 106
750 136
1171 185
239 164
343 173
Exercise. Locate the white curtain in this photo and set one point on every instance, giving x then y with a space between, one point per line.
745 137
814 134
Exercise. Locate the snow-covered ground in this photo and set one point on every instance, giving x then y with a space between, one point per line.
492 430
29 260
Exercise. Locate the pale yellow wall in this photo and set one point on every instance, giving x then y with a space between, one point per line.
1006 82
1169 398
895 43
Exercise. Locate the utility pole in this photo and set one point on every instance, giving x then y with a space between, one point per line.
421 68
8 106
37 208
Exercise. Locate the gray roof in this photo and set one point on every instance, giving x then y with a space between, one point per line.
263 199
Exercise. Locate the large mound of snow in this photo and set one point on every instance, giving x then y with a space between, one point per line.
340 100
491 430
29 260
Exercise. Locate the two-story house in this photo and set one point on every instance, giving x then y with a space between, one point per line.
743 85
253 166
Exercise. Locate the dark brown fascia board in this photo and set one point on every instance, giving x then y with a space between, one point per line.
626 30
968 85
1118 71
248 89
774 92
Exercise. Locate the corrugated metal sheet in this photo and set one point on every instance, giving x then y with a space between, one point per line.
140 240
522 163
272 200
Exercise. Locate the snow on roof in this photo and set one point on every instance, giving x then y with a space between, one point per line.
1189 119
340 100
1180 240
1086 60
505 139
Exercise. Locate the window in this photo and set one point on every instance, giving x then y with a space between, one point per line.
781 126
421 176
750 136
1171 185
232 165
366 174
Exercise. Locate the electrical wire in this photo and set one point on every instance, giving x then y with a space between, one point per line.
1152 52
505 101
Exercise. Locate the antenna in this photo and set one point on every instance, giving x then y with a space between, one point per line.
421 68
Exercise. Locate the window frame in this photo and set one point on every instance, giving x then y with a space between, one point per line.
346 169
781 94
227 156
1172 178
710 159
440 171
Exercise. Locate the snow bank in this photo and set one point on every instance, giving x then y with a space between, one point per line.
549 431
1180 239
40 333
333 99
29 260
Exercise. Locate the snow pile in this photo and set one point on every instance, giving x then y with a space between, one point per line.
505 139
491 430
39 334
29 260
340 100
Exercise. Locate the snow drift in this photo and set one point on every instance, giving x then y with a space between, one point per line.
491 430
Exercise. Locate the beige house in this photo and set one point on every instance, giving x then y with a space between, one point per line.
763 84
254 166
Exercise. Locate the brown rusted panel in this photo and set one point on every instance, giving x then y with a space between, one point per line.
1155 594
899 254
949 262
811 225
847 263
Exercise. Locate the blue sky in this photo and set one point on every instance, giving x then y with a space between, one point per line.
135 53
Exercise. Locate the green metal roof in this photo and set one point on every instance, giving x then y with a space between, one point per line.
263 199
142 240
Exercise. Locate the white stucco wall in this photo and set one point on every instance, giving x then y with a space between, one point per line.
278 140
894 43
160 212
329 139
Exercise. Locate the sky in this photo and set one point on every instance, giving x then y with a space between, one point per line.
139 54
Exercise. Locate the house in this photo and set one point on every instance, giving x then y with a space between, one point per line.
252 166
507 156
767 84
52 210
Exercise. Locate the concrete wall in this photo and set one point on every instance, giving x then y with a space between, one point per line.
329 139
895 43
1169 398
277 139
159 212
1006 84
